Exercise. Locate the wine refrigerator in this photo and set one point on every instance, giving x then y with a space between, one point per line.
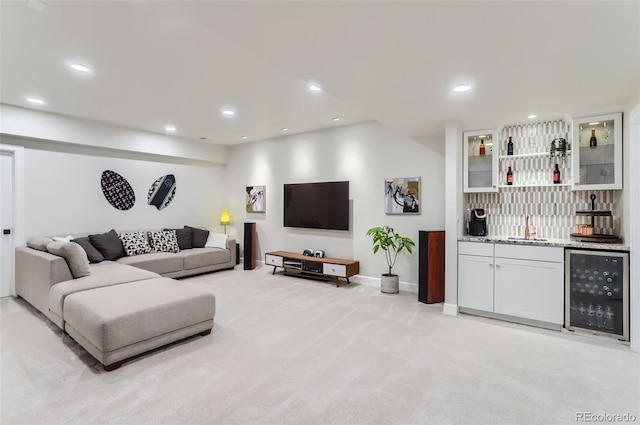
597 292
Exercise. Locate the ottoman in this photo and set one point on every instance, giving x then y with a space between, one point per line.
117 322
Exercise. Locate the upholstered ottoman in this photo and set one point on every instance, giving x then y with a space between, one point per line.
117 322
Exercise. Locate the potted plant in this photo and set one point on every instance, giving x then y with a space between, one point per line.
386 239
560 147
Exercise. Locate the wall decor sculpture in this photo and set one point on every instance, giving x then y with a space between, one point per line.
162 191
256 199
117 190
402 195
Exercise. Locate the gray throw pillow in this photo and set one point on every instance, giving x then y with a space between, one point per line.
109 245
92 253
199 236
184 238
74 255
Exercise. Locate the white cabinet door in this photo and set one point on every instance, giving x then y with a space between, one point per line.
480 161
530 289
475 282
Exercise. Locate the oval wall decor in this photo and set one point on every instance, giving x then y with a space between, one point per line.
162 191
117 190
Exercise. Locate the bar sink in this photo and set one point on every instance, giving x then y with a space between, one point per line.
513 238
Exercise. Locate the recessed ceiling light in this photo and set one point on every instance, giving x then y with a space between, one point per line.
532 116
245 137
482 136
170 128
35 100
80 68
594 123
335 119
462 88
284 129
315 87
228 112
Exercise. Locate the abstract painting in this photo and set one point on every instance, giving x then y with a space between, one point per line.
256 199
402 195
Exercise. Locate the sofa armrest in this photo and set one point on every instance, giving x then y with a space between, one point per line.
36 273
231 246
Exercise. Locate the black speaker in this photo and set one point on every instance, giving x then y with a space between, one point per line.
250 246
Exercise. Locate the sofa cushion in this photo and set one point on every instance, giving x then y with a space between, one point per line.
164 241
92 253
199 236
109 245
74 255
103 274
39 242
135 243
203 257
184 238
158 262
216 240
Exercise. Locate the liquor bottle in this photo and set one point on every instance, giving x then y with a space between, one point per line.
510 147
482 148
509 177
556 175
593 142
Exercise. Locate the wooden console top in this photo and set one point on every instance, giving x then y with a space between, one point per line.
296 256
333 267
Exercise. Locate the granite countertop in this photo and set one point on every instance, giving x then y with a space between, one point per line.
563 243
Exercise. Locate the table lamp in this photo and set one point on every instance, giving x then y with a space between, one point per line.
225 219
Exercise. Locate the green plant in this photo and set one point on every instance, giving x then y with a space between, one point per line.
561 147
386 239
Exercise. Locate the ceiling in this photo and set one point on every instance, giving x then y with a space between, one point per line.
159 63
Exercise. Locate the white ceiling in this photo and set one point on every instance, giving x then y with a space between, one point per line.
176 62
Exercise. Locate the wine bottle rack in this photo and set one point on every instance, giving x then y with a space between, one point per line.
531 162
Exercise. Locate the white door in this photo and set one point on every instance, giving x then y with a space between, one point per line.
6 225
475 282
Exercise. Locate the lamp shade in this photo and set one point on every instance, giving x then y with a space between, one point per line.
224 217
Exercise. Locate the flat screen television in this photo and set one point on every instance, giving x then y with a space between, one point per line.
322 205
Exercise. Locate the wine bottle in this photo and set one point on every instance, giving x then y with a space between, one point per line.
593 142
556 175
482 151
510 147
509 177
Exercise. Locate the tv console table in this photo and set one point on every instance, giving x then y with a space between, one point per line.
335 268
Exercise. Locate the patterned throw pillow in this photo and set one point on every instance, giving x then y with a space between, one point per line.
135 243
164 241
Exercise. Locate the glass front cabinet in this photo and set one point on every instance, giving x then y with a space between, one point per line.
597 147
480 161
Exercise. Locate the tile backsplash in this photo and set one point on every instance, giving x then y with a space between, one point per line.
551 210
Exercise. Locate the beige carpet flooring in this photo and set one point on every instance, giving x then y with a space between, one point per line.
286 350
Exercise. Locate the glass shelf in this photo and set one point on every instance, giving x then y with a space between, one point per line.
506 186
528 155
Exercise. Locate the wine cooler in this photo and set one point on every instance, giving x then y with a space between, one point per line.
597 292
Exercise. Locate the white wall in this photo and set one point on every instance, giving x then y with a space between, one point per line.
365 154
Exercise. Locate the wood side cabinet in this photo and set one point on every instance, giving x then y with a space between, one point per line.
431 267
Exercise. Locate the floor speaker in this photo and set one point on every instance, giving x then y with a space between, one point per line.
250 243
431 267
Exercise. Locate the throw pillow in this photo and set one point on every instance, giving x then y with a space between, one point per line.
109 245
216 240
39 242
135 243
164 241
199 236
92 253
63 238
184 238
74 255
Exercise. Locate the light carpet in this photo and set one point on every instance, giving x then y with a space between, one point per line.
286 350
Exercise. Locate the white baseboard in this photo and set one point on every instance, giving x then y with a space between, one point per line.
375 281
450 309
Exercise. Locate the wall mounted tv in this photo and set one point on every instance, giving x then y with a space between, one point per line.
317 205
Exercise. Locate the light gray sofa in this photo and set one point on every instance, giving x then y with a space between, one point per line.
46 282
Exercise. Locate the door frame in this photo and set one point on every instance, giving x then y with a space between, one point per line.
17 155
634 212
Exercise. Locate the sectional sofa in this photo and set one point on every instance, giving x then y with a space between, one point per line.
114 293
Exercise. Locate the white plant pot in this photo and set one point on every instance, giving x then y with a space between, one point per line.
390 284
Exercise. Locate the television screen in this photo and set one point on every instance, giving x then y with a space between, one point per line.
317 205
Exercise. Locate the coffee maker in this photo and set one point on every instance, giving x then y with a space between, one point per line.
477 222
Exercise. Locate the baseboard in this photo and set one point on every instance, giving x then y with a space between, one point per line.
375 281
450 309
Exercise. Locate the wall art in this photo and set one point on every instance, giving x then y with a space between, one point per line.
162 191
256 199
117 190
402 195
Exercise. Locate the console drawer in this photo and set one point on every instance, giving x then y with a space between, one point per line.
273 260
334 269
